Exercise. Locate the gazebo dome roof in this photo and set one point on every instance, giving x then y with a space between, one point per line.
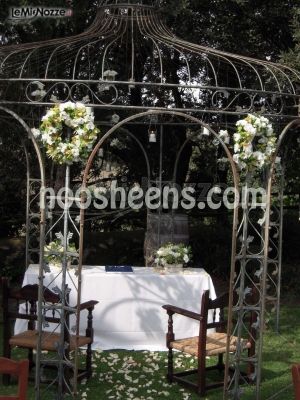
130 45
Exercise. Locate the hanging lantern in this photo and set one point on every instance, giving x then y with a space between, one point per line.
152 135
132 85
205 131
109 75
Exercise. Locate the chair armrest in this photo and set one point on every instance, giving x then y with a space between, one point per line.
88 305
177 310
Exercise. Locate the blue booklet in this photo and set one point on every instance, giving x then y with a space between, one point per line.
118 268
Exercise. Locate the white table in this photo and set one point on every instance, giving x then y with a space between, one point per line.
129 314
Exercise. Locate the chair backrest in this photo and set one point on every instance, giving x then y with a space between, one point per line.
19 369
296 380
219 322
12 298
219 317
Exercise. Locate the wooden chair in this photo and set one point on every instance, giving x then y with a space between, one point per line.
19 369
296 380
28 295
206 344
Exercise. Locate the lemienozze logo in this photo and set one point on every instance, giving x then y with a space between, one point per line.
28 12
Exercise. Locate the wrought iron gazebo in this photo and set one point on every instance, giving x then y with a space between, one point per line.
172 82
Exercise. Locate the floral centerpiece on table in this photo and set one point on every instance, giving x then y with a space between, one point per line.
54 252
171 254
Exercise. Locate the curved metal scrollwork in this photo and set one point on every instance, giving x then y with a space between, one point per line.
102 93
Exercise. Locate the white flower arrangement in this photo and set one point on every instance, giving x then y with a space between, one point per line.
171 253
72 115
254 142
54 251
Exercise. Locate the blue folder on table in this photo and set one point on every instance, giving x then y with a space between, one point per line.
118 268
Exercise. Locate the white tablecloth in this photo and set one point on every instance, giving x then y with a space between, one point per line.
129 314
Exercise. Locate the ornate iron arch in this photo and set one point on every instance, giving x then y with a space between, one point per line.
41 215
232 166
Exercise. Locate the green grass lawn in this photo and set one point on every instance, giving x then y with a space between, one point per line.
126 375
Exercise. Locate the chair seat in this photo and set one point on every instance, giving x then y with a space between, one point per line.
215 344
28 339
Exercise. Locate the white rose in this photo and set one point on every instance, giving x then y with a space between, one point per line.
49 140
250 128
68 104
236 147
224 135
63 147
79 121
69 122
90 125
45 136
241 122
248 149
80 132
269 150
50 113
75 152
80 105
52 130
35 132
45 117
